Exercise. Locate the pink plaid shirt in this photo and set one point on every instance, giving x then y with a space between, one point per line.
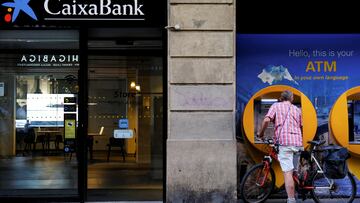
290 133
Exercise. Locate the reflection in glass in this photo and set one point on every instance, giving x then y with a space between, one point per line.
126 98
37 73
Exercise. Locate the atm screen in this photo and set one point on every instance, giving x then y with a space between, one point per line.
354 121
261 107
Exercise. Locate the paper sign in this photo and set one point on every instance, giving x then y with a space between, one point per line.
2 86
119 133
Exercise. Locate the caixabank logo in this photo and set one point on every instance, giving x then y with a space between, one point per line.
77 12
12 9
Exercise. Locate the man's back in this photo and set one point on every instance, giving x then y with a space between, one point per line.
287 121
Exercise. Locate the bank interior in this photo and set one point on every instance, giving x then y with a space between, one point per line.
39 112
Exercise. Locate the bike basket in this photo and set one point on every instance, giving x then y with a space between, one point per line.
334 161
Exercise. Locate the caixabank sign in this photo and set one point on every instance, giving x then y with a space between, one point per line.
40 12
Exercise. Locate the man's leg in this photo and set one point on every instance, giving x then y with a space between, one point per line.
285 157
289 186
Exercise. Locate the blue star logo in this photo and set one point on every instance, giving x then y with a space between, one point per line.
20 5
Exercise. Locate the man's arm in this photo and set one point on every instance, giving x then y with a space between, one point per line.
264 125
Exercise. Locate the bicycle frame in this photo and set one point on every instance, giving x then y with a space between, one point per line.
320 170
260 180
267 161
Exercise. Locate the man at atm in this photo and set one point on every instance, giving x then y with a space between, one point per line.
287 120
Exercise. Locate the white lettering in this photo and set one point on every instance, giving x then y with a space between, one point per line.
46 6
130 8
74 7
138 8
102 6
93 10
23 58
75 58
53 59
82 9
105 7
62 58
32 58
66 9
117 10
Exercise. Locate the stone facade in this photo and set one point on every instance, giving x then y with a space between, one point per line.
201 144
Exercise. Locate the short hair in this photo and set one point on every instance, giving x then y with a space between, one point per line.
286 95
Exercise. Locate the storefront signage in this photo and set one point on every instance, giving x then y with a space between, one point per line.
70 126
2 84
123 133
36 60
123 123
97 8
69 100
35 12
69 108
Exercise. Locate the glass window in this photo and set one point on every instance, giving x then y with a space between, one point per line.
38 69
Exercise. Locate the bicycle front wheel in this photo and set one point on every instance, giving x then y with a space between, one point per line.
341 190
257 184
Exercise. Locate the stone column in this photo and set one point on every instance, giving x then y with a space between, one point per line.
201 145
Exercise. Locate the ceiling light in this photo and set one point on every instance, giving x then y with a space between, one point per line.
132 84
137 87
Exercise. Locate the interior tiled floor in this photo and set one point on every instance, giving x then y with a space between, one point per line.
113 180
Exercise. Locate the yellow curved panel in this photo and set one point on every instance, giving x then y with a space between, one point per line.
339 127
307 110
309 120
354 164
257 151
339 121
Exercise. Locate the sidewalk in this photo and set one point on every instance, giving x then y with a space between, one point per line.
109 202
306 201
129 202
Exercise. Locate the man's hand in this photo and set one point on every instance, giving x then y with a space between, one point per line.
264 125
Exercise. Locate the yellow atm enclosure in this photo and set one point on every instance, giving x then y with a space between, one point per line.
344 123
256 109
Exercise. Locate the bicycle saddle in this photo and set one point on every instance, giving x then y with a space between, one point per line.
316 142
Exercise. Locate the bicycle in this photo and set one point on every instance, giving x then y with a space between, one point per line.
259 182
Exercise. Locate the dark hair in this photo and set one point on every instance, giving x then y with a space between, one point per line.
286 95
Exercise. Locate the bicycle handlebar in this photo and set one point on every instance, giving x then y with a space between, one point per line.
274 146
316 142
269 141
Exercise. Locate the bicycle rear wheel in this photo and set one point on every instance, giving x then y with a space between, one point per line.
257 184
342 190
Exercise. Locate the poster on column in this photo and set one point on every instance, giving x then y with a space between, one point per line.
324 68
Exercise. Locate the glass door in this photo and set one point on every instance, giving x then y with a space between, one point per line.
38 76
125 114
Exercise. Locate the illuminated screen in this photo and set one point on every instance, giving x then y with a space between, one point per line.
70 128
46 109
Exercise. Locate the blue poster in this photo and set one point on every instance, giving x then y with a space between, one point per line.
322 66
